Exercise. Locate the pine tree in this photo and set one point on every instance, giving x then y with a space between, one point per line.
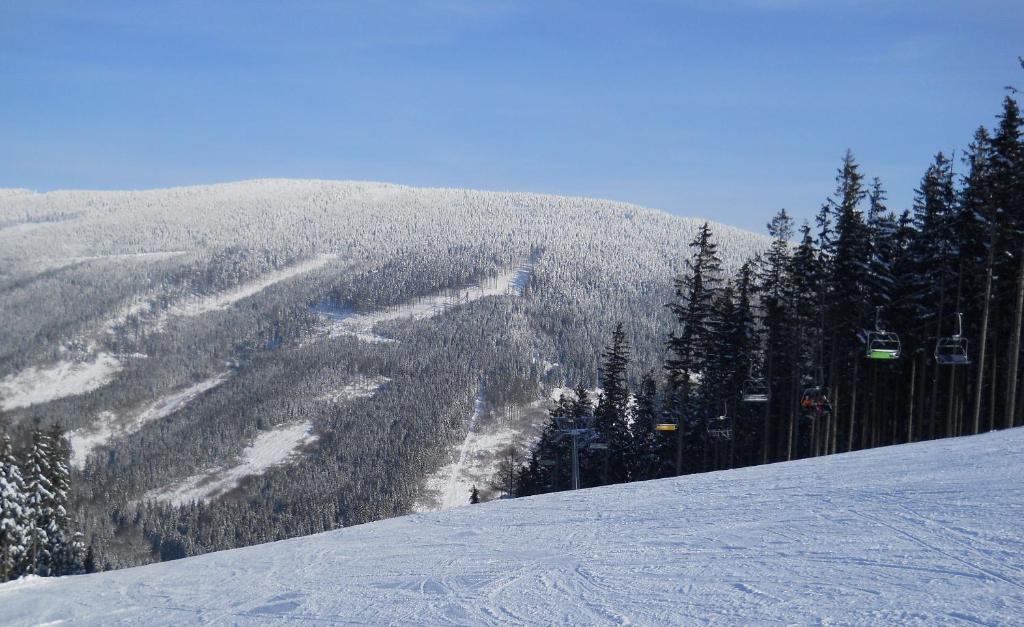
474 498
13 513
646 446
39 503
773 279
695 315
64 544
610 416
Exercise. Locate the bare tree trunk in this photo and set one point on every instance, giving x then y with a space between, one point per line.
767 411
992 393
976 414
910 412
853 404
1014 357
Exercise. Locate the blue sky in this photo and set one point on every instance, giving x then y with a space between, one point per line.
722 109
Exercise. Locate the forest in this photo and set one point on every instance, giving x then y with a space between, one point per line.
868 328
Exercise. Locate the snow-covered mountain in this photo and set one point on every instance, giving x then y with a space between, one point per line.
309 354
929 533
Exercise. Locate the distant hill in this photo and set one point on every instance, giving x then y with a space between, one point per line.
301 355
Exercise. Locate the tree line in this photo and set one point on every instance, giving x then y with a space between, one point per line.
866 328
37 536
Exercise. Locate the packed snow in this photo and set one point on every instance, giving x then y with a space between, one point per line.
269 449
108 425
41 384
928 533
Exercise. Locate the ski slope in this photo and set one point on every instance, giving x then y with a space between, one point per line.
929 533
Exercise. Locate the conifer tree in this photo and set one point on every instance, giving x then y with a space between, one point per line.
13 513
610 415
39 502
694 314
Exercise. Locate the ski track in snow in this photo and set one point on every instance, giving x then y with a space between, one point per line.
344 322
452 497
41 384
216 302
108 425
270 448
928 533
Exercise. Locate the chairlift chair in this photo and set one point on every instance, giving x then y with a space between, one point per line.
719 427
881 344
952 350
814 402
755 391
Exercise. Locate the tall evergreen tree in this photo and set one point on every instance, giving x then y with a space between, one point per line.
610 416
687 349
13 513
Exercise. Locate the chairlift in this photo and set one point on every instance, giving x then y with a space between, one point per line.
814 402
755 390
881 344
952 350
720 427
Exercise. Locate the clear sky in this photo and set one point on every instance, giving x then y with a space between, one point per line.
725 109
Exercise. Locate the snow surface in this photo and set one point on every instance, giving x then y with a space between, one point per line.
42 384
269 449
108 425
361 388
929 533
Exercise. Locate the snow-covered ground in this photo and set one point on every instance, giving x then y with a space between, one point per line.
215 302
108 425
340 322
476 460
70 377
929 533
361 388
269 449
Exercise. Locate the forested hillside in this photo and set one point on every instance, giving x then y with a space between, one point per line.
252 361
876 327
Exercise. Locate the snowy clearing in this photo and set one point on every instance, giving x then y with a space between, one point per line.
362 388
929 533
42 384
269 449
345 322
476 461
206 304
108 425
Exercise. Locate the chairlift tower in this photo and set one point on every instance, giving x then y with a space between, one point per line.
582 433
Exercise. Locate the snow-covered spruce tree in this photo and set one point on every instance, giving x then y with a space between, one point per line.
474 496
39 506
13 513
65 545
610 417
694 312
